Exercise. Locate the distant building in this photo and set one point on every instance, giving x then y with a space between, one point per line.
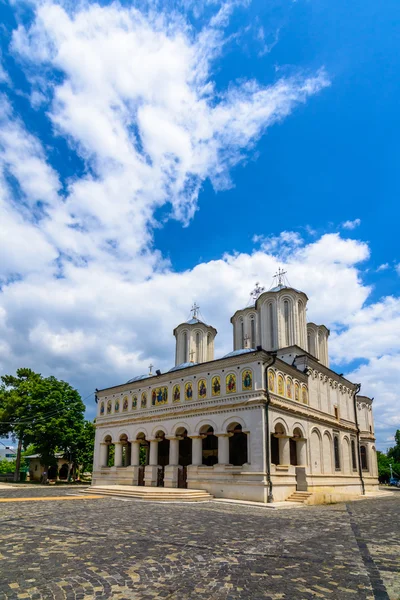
8 453
36 469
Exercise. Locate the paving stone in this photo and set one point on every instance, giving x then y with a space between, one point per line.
135 551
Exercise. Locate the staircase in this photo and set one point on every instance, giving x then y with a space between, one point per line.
300 497
154 494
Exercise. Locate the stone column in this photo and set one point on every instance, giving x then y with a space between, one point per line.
301 452
171 470
223 448
197 450
103 454
135 450
173 451
284 451
153 459
118 454
151 470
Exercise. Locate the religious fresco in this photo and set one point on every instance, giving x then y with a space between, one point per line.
125 403
247 380
102 408
216 386
271 381
117 405
289 388
134 402
304 395
202 388
281 386
159 396
176 394
188 391
109 407
297 392
230 383
143 402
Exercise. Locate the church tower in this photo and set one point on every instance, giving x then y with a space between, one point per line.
276 320
194 341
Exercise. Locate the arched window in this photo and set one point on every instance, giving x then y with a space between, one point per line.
363 454
271 325
209 357
253 332
300 310
198 357
353 455
237 445
336 451
286 318
185 347
241 333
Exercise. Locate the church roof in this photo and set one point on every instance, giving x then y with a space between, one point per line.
238 352
182 366
280 287
195 321
138 378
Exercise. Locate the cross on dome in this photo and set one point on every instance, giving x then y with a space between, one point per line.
280 276
191 355
195 310
150 369
258 290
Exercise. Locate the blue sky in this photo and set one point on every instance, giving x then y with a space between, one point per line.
156 154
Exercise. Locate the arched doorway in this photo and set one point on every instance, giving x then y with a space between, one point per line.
126 450
163 456
143 456
210 446
63 473
185 455
279 446
109 455
237 445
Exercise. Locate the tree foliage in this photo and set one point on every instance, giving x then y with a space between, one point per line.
45 412
391 458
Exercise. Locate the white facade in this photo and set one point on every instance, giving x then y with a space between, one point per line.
244 425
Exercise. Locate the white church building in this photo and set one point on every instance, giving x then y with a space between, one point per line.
265 421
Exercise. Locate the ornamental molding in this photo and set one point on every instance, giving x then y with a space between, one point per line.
188 409
197 413
310 414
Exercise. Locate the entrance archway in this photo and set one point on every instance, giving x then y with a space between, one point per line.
185 455
163 456
143 456
237 445
210 446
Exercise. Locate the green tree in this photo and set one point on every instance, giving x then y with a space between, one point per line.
394 453
42 411
85 447
7 466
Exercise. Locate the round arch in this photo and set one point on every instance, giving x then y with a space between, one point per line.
157 429
181 425
299 426
282 423
140 432
109 435
234 419
205 423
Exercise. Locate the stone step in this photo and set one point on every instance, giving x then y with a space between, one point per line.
298 497
152 493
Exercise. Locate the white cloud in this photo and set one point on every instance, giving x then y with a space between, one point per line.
351 224
383 267
397 267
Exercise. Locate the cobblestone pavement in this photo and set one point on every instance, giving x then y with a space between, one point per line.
124 549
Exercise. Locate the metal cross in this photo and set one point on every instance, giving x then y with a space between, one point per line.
191 355
258 290
195 308
279 275
246 341
150 369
